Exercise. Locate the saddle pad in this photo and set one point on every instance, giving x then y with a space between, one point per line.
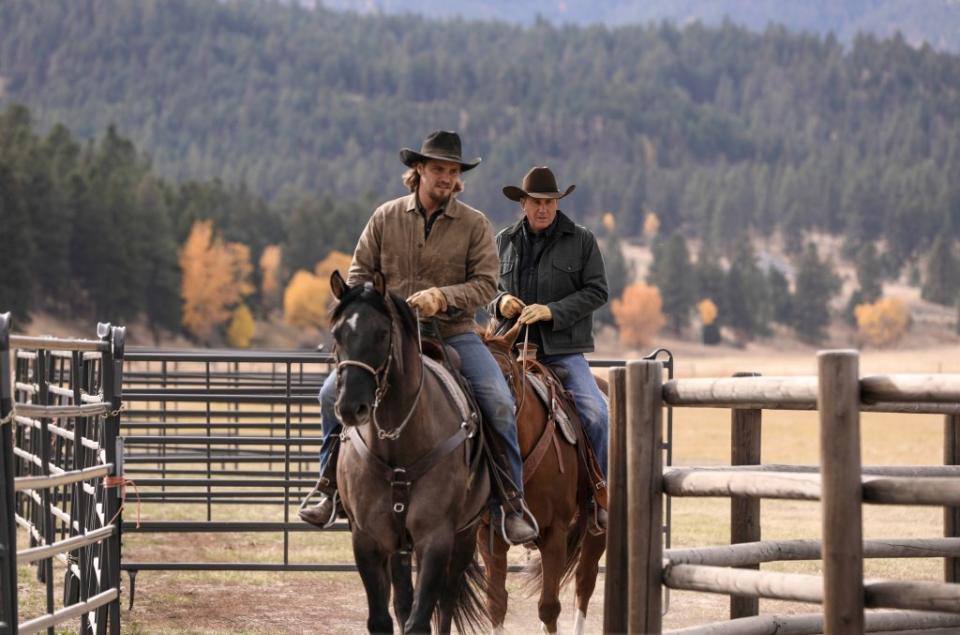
563 421
451 386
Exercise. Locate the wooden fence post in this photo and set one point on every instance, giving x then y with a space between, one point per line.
838 390
644 495
951 515
745 435
615 580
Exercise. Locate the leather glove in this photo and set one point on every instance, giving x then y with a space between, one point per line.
535 313
429 302
510 305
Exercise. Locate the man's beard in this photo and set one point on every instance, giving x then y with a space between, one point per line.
438 198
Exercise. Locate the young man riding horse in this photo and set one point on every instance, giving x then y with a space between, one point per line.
439 254
552 279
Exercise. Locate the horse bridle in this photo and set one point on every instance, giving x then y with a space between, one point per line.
380 375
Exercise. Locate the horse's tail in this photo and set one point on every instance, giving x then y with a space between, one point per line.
532 575
470 612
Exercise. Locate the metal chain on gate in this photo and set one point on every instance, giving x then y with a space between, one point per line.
10 417
114 413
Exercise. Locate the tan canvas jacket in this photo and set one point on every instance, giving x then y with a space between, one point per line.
459 257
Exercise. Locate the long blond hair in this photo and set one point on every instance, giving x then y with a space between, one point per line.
411 179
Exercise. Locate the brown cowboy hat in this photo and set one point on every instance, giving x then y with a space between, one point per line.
537 183
442 145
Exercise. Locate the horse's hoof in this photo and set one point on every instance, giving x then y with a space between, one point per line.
545 629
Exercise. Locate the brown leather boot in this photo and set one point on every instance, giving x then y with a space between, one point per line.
322 514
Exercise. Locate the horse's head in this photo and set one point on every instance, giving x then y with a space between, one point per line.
367 324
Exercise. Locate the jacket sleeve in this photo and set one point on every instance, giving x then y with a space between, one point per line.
494 307
481 270
591 296
366 257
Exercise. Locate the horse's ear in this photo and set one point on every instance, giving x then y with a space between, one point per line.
337 284
380 283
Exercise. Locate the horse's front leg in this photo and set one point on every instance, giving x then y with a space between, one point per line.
400 571
372 563
433 559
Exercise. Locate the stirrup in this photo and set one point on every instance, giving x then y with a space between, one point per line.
335 497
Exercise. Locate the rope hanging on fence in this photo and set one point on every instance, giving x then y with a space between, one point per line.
121 482
59 412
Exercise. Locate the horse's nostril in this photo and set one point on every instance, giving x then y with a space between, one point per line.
362 411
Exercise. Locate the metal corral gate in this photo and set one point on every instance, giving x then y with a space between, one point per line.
59 477
215 429
220 428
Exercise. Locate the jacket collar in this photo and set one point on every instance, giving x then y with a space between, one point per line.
564 226
451 210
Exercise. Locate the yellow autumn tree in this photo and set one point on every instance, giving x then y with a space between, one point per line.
639 314
708 311
215 279
335 260
241 328
651 225
270 262
306 300
609 221
883 322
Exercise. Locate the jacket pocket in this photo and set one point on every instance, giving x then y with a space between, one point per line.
573 267
564 278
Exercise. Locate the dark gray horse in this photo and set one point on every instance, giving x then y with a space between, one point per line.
408 484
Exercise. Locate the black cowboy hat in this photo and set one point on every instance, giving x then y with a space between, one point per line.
442 145
538 183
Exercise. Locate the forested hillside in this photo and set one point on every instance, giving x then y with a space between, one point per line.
282 124
721 131
936 22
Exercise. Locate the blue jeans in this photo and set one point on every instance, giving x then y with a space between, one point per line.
489 387
591 403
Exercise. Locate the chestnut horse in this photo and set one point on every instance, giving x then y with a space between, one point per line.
555 488
407 485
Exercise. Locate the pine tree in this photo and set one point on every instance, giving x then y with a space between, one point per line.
816 285
673 274
781 302
17 252
748 306
869 274
619 273
940 283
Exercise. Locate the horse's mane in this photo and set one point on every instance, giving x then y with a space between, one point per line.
369 295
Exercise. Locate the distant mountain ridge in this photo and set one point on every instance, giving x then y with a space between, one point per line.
936 22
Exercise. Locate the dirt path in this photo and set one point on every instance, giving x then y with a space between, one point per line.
331 603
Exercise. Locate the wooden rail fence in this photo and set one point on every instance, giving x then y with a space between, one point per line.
841 484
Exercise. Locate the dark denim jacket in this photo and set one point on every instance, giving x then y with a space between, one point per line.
571 281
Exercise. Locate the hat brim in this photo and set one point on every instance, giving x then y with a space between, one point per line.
515 193
412 157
